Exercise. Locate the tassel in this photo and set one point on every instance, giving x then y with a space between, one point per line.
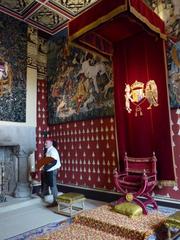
179 132
175 188
178 121
178 111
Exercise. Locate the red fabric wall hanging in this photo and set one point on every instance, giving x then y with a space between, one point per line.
87 148
141 58
138 54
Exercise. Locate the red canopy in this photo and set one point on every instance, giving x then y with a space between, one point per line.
111 21
133 35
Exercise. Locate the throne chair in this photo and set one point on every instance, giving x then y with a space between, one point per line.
137 181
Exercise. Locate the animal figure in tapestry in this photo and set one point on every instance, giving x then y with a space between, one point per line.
81 86
91 70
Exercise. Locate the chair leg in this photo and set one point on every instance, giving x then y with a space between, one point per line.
169 234
155 205
150 200
141 204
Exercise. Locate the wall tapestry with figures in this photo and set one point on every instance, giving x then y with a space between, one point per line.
13 55
79 83
169 11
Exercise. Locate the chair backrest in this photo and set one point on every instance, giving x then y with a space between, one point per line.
140 166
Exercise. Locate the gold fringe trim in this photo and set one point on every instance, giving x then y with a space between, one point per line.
99 21
167 183
146 21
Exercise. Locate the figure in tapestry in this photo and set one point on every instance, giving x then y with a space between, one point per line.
81 84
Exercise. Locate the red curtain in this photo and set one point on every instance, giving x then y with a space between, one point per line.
100 13
152 20
141 58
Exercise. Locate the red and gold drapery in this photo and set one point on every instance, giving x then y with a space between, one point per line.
92 22
134 36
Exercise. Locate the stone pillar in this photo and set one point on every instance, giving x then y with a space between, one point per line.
23 187
23 138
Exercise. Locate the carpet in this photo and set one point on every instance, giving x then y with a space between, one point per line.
43 230
102 224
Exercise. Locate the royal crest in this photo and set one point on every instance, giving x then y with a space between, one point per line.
137 91
137 94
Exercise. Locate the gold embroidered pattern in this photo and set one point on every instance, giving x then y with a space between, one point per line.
129 197
137 94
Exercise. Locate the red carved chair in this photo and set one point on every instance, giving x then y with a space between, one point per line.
138 180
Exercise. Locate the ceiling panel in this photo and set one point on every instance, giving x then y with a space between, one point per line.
50 16
19 7
73 6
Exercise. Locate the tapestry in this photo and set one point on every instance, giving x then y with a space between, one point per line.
169 11
13 54
173 53
80 84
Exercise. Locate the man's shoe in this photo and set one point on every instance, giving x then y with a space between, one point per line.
39 194
53 204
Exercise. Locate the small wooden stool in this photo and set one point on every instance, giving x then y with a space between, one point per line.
67 203
173 221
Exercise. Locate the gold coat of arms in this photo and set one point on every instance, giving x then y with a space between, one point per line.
137 93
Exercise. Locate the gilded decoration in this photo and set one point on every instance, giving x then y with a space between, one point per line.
137 94
167 183
129 197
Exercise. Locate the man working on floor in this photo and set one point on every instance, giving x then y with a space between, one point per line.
49 172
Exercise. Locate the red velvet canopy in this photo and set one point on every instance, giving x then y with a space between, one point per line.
134 36
112 21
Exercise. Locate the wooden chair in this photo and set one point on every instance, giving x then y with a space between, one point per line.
138 180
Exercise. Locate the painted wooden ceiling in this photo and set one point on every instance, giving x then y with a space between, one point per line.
50 16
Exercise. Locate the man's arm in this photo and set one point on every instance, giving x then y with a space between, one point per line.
49 165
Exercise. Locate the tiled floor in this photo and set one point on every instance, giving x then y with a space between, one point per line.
24 215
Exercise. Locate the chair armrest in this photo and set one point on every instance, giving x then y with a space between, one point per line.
148 177
123 174
151 178
117 174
